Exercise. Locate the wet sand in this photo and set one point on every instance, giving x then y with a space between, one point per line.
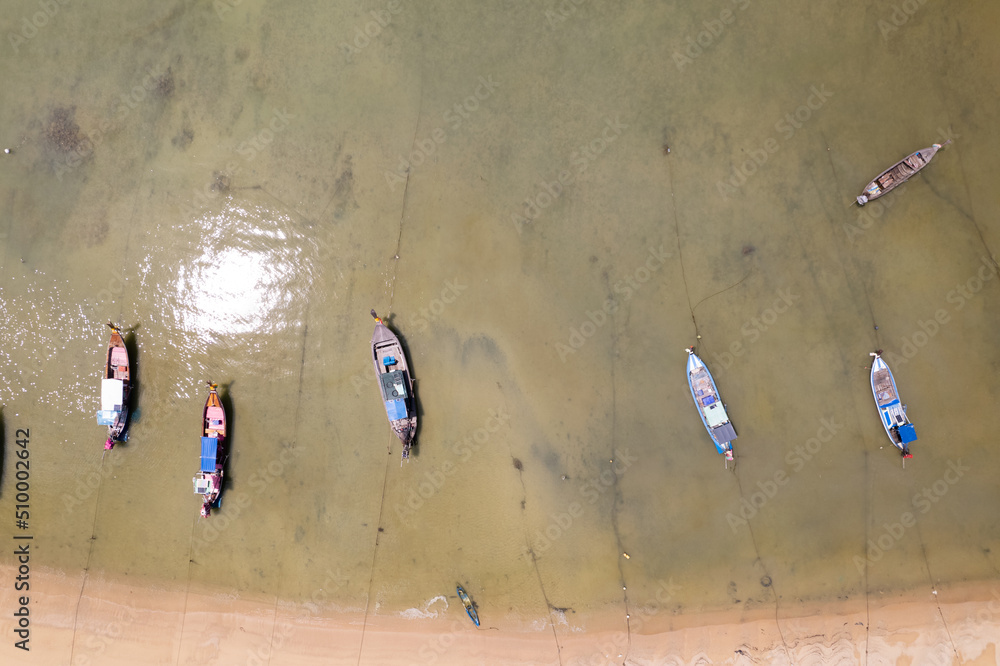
117 621
546 260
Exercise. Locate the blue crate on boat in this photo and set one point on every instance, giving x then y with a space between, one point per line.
907 433
209 453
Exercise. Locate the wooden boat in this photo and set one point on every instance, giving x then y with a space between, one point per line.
899 173
116 386
395 384
710 406
897 426
469 608
208 480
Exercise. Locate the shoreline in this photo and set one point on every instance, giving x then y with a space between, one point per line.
120 621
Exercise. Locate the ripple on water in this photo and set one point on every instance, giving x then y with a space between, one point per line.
45 330
236 279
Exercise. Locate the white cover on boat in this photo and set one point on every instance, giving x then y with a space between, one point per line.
112 392
715 414
203 484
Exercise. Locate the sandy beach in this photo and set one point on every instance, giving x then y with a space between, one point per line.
123 623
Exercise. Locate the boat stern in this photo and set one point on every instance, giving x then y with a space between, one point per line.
724 434
907 433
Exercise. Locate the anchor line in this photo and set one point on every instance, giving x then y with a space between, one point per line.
617 498
86 571
767 574
371 577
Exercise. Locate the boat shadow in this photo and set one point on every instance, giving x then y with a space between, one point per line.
417 408
226 398
3 440
135 390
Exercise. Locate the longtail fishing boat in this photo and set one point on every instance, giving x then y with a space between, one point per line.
899 173
208 480
467 602
710 406
116 386
897 425
395 384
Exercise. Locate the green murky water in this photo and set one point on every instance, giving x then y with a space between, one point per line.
236 182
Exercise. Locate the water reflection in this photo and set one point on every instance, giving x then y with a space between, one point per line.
246 271
233 278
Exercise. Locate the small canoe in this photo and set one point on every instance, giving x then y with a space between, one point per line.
897 426
467 602
208 480
116 386
710 407
395 384
899 173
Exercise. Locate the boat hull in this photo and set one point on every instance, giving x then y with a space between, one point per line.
706 398
470 609
208 480
892 412
897 174
116 387
395 384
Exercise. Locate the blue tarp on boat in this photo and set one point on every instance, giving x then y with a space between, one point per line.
396 409
209 453
106 417
907 433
